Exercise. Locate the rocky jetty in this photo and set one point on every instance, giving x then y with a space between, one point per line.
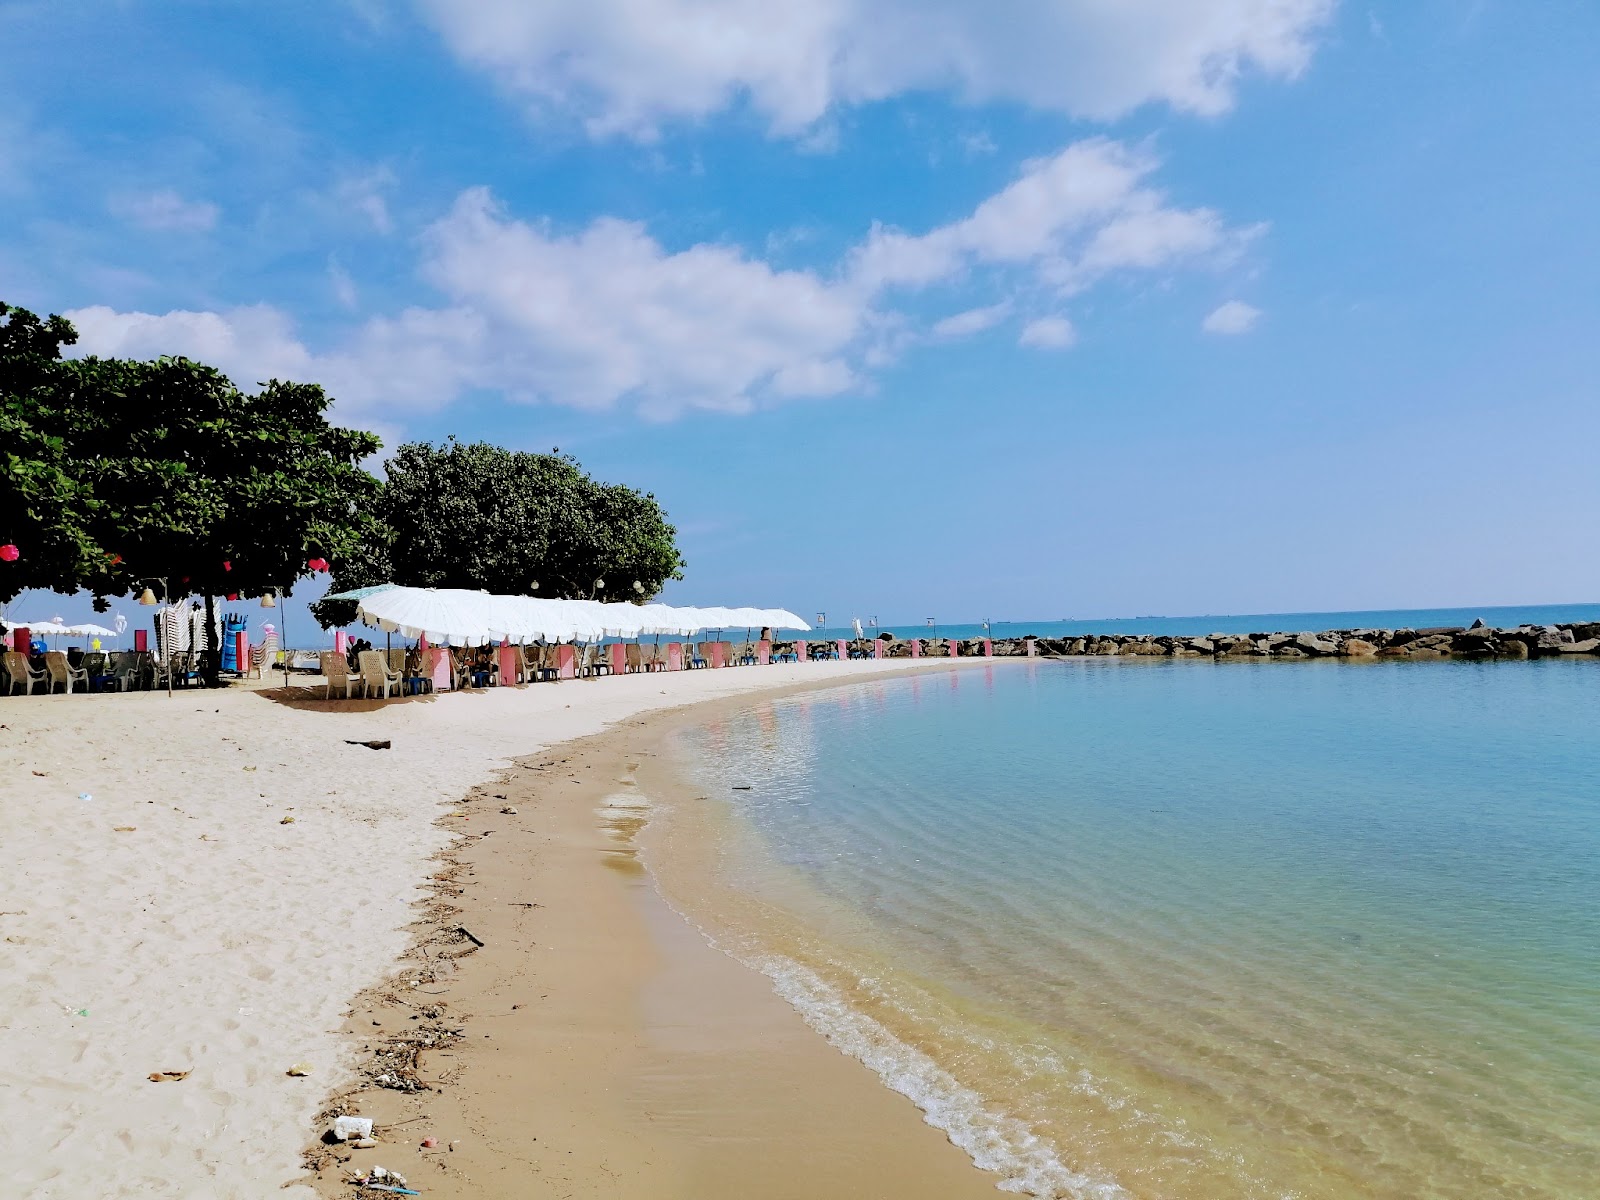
1479 641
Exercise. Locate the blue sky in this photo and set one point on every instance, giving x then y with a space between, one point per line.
1029 309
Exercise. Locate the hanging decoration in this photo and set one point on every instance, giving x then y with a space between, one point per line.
10 553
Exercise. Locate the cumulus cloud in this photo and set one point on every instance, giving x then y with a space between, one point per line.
1233 317
1048 333
1073 217
165 211
605 314
627 66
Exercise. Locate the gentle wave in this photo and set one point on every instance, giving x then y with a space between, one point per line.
1026 1162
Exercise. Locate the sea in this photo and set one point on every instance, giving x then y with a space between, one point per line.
1174 928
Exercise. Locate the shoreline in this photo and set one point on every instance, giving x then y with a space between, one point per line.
607 1048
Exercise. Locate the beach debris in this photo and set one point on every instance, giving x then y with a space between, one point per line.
286 821
85 796
374 744
428 1143
167 1076
470 936
347 1129
299 1069
741 787
124 828
42 774
363 1143
509 811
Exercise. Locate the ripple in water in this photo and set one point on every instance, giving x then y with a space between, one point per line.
1189 929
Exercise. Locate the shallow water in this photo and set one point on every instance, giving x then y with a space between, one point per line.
1317 929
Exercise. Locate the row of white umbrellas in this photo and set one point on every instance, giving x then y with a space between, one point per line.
58 628
457 617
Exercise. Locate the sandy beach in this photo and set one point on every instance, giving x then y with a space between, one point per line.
204 885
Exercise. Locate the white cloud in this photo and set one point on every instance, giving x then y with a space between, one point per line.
1048 333
165 212
605 315
1233 317
1074 217
974 320
627 66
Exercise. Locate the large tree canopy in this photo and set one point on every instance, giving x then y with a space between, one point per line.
117 472
480 516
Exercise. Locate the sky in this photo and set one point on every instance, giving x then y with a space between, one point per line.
1029 309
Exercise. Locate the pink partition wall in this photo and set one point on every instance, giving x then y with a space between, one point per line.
509 656
22 639
566 662
844 648
241 651
719 654
988 648
952 648
341 641
619 658
916 647
436 665
800 651
877 647
674 656
764 651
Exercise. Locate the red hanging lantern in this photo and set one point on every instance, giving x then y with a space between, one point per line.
318 564
10 553
233 595
227 566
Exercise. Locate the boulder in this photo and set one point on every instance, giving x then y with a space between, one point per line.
1587 646
1106 646
1288 650
1312 643
1512 648
1202 645
1355 647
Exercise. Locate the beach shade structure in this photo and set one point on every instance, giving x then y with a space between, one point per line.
445 616
67 629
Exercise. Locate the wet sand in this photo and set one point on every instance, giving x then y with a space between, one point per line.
606 1048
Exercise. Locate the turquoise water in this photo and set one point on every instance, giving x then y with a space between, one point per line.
1191 929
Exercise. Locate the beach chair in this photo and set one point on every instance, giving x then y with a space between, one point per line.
460 671
336 669
375 673
130 668
633 656
696 655
62 673
263 657
22 675
533 661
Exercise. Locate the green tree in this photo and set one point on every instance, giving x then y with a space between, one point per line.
484 517
172 472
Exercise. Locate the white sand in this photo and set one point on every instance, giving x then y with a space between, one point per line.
214 939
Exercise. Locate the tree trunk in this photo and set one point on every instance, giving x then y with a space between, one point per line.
211 657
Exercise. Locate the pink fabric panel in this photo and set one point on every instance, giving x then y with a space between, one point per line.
341 641
508 664
438 668
718 655
800 651
619 658
844 648
764 652
877 648
674 656
22 639
988 648
566 662
916 647
241 651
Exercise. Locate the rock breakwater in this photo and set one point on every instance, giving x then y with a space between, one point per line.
1476 641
